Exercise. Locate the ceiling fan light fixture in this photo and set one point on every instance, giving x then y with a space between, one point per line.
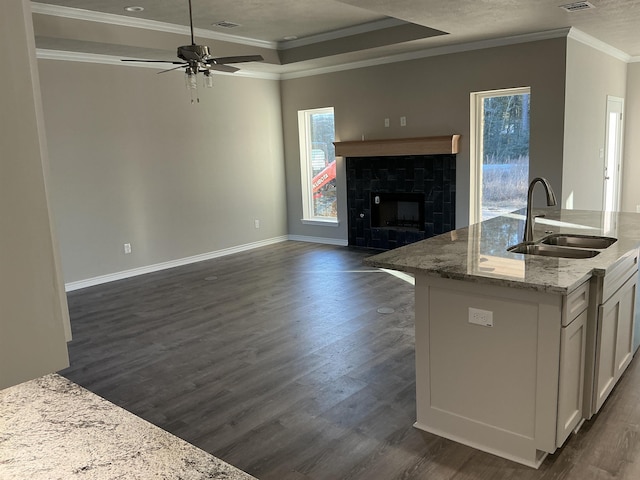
197 59
208 79
191 78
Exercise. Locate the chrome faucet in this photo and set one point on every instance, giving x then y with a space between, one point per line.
551 201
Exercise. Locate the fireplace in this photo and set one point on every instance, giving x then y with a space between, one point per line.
394 200
397 210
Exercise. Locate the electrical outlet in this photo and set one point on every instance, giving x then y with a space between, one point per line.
480 317
386 122
403 121
127 248
256 223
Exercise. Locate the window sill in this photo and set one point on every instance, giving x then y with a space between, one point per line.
322 223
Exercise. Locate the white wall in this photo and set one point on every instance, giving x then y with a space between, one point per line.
591 76
33 309
631 165
133 161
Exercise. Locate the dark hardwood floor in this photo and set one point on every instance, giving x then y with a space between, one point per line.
277 361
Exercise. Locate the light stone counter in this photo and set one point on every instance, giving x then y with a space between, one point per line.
51 428
479 253
514 351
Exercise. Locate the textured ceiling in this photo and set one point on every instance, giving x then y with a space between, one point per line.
269 20
614 22
401 26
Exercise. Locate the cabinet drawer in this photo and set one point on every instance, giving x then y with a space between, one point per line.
619 274
575 303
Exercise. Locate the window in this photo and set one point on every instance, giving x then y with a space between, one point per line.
499 152
318 166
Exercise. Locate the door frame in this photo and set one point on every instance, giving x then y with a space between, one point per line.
619 140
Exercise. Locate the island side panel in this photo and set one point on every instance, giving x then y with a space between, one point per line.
493 388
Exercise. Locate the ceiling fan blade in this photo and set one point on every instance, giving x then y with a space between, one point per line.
238 59
222 68
174 68
154 61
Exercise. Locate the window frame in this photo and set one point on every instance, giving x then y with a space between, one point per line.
306 169
476 143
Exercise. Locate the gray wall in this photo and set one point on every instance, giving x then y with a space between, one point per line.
33 308
133 161
434 94
631 166
591 76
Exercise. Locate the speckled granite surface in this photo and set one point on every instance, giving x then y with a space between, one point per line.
479 253
51 428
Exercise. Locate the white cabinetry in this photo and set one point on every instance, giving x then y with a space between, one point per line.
518 385
614 346
573 342
513 387
572 354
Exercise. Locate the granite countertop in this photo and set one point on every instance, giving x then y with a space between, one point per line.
478 253
53 429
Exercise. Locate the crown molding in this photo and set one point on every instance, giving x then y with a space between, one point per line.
122 20
585 38
424 53
434 52
44 54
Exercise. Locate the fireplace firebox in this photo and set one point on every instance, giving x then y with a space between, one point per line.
397 210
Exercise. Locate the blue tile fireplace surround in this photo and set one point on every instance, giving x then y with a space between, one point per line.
399 191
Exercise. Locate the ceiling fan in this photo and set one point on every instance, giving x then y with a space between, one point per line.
198 59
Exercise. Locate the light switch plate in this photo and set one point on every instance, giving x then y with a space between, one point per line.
481 317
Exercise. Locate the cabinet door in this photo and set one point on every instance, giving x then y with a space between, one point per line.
572 351
626 316
615 339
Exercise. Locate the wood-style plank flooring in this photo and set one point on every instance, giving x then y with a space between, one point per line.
277 361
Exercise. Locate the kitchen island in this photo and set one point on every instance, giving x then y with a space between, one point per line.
514 351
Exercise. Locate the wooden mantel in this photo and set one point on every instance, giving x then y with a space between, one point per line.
445 144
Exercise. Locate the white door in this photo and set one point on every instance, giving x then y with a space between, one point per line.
613 154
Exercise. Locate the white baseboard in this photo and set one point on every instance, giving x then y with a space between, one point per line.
111 277
327 241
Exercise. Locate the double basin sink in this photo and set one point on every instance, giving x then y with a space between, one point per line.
564 245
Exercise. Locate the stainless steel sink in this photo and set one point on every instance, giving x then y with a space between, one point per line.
580 241
552 250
